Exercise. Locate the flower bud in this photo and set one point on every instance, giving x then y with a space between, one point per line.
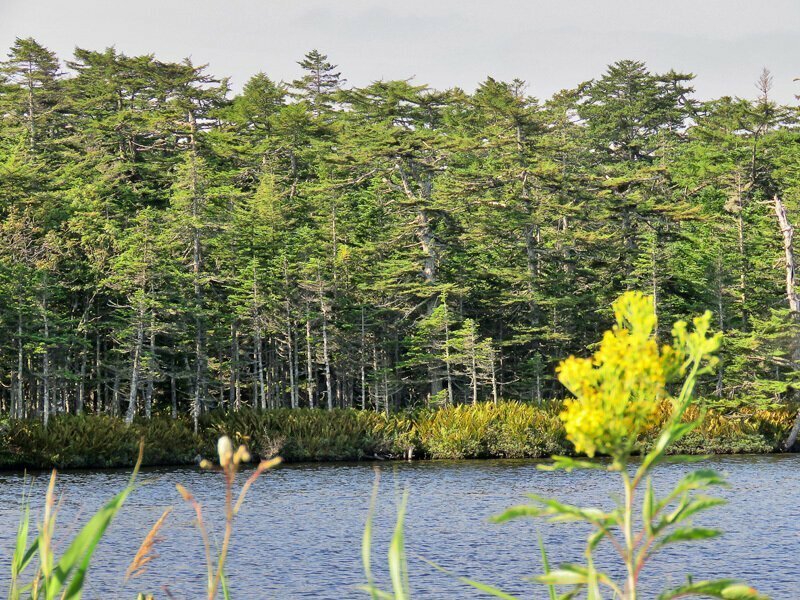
225 451
206 464
242 455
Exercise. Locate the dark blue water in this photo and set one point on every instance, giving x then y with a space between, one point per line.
299 535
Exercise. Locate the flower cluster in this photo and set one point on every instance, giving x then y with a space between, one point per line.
619 389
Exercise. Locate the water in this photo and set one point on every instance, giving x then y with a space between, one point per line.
299 535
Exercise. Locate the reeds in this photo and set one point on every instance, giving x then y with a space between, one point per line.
147 551
61 577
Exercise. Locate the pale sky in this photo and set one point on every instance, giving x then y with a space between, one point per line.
552 44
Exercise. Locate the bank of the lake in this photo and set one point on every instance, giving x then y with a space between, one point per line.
505 430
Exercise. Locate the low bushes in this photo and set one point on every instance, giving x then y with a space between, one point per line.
506 430
95 441
307 434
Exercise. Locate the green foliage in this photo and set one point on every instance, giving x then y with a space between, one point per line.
71 441
306 434
505 430
62 577
508 429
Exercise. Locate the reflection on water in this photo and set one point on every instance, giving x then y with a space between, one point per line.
299 535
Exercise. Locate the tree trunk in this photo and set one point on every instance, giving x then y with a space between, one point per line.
295 366
290 357
98 375
325 355
788 234
742 251
82 379
151 370
173 396
474 370
362 360
135 368
262 396
197 267
494 378
234 399
115 408
46 365
447 355
309 366
375 374
791 295
20 365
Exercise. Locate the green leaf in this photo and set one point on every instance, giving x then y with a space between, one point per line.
398 570
517 512
546 566
670 435
569 574
692 507
563 576
22 556
686 534
366 541
700 479
79 553
595 539
648 507
223 582
569 464
558 512
375 592
727 589
489 589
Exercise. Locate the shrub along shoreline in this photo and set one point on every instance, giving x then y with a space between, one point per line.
506 430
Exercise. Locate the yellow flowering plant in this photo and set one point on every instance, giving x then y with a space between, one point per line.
618 390
616 395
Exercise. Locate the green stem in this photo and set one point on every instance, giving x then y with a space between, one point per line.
630 544
229 514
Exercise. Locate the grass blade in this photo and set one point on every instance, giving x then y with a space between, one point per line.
398 568
366 540
484 587
546 567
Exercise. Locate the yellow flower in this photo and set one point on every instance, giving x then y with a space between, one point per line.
618 391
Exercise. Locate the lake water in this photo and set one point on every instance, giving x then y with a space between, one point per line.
299 535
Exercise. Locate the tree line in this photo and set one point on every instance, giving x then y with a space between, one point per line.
167 246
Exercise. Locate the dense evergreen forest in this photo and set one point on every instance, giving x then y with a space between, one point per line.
166 246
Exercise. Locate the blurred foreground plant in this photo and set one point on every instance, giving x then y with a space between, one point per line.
230 462
63 577
618 393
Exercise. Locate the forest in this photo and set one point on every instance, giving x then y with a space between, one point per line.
168 247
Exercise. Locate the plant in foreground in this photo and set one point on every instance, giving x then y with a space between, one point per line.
63 577
230 462
618 393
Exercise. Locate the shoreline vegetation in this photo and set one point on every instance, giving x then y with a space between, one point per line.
171 246
509 429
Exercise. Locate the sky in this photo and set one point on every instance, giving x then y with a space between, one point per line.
551 44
